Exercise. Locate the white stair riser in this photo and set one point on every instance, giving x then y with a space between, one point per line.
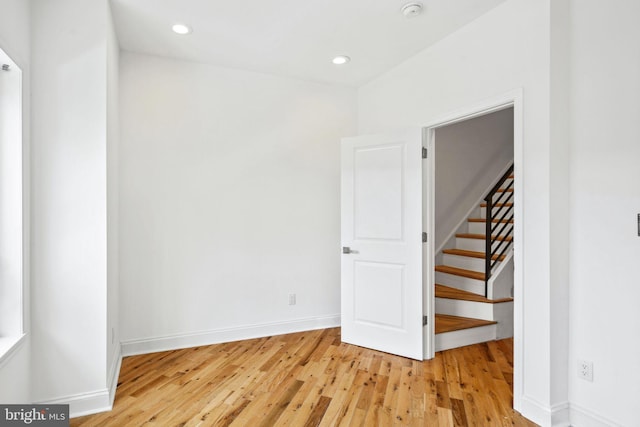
473 309
464 337
459 282
466 262
472 244
480 228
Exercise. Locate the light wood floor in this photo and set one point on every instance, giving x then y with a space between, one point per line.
312 379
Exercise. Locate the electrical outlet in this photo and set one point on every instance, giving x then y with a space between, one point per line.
292 299
585 370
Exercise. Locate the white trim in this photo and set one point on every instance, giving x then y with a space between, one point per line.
114 373
16 284
518 245
497 290
9 346
582 417
216 336
482 108
96 401
560 415
428 256
555 416
515 99
83 403
535 411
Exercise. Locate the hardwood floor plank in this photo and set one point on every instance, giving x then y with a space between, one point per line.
349 406
377 402
318 412
418 398
442 395
312 379
281 404
297 409
403 405
458 413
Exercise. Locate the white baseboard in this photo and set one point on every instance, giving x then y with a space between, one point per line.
216 336
560 415
582 417
95 401
563 415
84 403
543 415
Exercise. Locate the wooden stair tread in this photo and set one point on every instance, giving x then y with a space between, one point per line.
460 272
447 323
482 236
472 254
502 190
447 292
496 220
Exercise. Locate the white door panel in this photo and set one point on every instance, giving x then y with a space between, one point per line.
378 290
382 227
378 182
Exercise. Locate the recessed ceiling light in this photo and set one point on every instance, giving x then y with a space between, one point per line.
341 59
181 29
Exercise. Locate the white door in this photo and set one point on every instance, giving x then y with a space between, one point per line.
382 305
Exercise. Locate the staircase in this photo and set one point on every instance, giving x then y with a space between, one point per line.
473 306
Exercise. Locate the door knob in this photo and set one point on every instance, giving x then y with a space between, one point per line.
346 250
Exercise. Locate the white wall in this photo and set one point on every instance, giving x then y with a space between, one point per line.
229 202
470 155
15 41
14 31
605 201
69 202
506 49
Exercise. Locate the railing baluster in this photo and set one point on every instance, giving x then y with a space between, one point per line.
492 233
487 244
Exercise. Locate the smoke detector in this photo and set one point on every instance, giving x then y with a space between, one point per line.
410 10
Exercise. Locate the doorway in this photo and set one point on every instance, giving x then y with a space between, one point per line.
509 104
473 158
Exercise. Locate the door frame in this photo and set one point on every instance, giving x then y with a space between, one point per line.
515 99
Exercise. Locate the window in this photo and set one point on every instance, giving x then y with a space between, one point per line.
11 205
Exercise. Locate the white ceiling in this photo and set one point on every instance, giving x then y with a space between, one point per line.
295 38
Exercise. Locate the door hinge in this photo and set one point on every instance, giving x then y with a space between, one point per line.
424 320
424 237
424 153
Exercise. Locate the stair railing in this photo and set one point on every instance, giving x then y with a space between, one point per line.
499 225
